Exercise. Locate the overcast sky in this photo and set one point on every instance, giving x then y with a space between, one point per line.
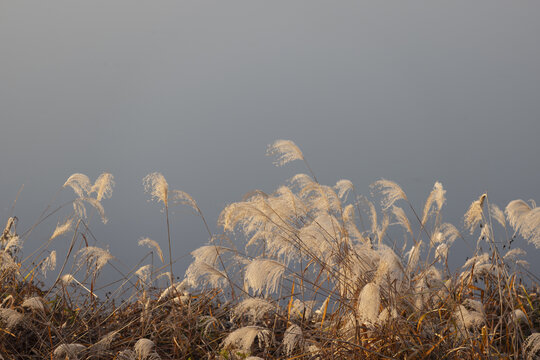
413 91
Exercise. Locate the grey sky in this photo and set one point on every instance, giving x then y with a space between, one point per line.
413 91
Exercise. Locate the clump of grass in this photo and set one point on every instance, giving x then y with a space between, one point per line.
320 271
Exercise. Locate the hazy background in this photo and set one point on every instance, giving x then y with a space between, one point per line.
413 91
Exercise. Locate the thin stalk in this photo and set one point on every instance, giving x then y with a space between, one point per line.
171 276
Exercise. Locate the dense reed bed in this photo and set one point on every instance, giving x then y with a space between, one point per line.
307 272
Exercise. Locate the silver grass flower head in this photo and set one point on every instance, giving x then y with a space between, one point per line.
474 215
156 185
263 274
301 181
7 263
293 339
13 244
80 209
11 318
63 228
285 151
449 233
8 229
35 303
67 279
200 273
350 225
79 183
436 196
254 308
176 288
144 273
243 338
401 218
343 187
466 319
183 198
49 264
414 257
68 351
386 315
525 220
303 309
209 253
519 316
153 245
514 254
390 191
441 252
143 347
497 214
103 186
95 256
477 260
389 267
368 303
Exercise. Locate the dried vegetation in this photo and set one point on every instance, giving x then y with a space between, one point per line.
308 272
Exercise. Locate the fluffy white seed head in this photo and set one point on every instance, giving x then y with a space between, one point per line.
68 351
63 228
263 274
183 198
402 219
254 308
436 196
80 209
525 220
79 183
144 273
292 339
497 214
390 191
243 338
473 216
513 254
153 245
143 347
103 186
67 279
96 257
209 253
343 187
285 152
11 318
200 273
156 185
368 303
35 303
49 264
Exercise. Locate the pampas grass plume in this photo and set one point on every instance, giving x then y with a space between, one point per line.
391 192
474 215
103 186
79 183
157 186
263 274
152 244
285 150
